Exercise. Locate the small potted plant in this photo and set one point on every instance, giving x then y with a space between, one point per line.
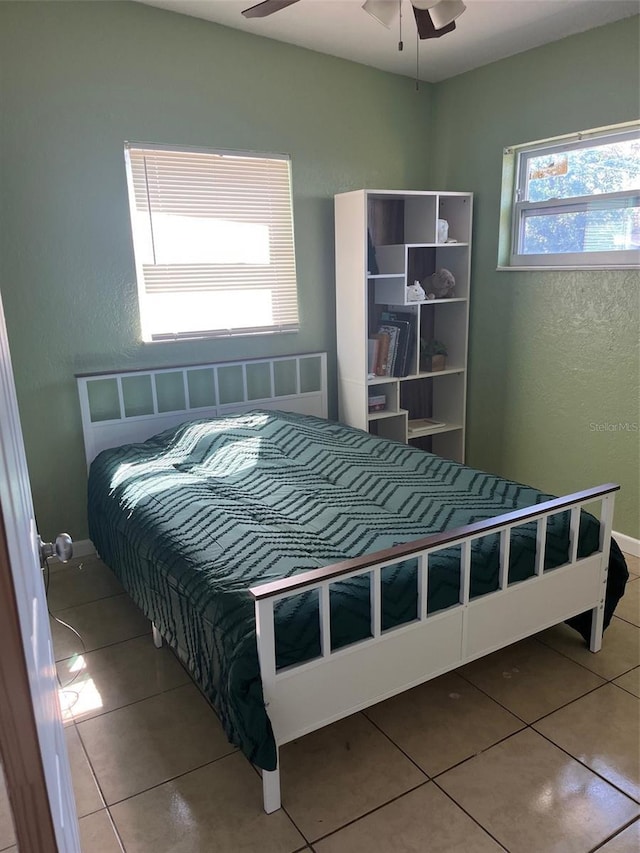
433 356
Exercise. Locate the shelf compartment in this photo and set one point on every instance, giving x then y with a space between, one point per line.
388 388
387 413
449 445
456 209
447 322
439 399
394 427
401 265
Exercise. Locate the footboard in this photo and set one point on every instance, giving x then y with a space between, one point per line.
339 682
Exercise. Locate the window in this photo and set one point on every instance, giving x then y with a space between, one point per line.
213 242
575 202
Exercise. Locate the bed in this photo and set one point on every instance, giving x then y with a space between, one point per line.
302 569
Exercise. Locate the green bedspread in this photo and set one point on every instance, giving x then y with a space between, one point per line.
192 518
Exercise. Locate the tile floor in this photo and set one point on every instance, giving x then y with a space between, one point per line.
535 749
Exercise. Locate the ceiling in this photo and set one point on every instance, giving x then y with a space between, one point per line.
488 30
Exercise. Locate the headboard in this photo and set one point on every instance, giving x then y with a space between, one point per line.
132 405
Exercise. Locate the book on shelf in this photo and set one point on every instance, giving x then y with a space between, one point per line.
420 424
382 356
373 345
394 333
377 402
407 324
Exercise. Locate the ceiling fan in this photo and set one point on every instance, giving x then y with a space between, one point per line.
434 18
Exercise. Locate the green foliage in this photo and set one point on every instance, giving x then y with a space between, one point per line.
433 347
589 171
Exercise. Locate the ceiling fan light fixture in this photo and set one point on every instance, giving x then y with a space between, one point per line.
384 11
445 12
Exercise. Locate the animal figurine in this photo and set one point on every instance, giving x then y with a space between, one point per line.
415 292
440 285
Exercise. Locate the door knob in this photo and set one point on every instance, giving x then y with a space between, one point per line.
62 548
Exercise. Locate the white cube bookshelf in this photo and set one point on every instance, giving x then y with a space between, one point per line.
423 407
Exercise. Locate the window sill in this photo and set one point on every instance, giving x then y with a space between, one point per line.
566 268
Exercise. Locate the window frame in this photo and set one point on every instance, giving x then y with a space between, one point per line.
515 168
147 334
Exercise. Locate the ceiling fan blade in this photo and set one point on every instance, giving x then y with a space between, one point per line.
267 7
426 30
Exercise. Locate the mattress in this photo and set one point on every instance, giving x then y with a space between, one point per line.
192 518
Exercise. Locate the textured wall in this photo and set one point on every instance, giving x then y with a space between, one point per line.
76 80
554 355
551 353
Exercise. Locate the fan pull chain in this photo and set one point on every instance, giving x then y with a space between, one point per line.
417 62
400 44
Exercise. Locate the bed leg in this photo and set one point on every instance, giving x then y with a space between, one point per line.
597 627
271 790
157 637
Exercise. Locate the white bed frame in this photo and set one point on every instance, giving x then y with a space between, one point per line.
298 698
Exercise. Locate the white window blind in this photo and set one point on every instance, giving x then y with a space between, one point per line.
213 242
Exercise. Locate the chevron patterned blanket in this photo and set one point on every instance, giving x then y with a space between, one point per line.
193 517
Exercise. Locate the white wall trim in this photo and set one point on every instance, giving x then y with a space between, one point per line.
627 543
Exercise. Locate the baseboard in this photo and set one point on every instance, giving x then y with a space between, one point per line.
628 544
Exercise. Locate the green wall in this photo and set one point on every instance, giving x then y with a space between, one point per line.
552 354
76 80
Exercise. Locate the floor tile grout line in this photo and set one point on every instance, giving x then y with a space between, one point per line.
57 610
566 704
171 779
99 648
93 771
615 834
626 672
123 594
116 831
120 643
488 695
95 775
397 746
590 769
548 713
104 807
111 823
97 715
531 727
309 843
258 772
370 812
573 660
626 690
628 621
469 815
525 726
144 699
